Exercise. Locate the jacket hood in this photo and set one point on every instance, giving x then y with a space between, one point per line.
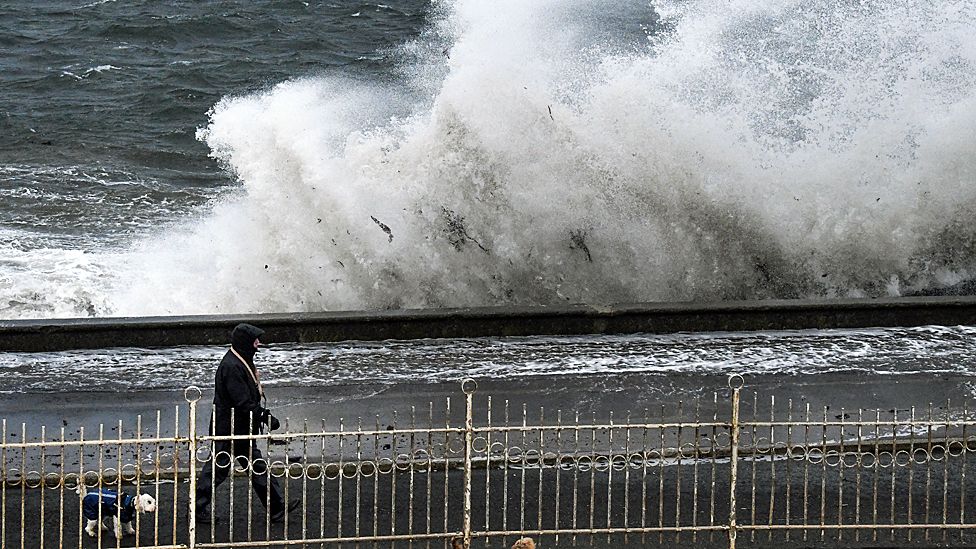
242 339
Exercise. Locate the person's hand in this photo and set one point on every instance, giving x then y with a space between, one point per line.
269 420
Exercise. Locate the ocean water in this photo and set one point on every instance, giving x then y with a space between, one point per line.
876 357
218 157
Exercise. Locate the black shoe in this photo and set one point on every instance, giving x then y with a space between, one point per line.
280 515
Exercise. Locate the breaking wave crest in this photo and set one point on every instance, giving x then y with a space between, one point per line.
547 152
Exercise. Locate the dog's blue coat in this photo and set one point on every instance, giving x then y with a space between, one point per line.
112 504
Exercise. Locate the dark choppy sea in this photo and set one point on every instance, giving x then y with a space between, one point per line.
101 102
230 156
876 358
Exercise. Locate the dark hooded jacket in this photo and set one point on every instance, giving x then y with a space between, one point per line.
235 387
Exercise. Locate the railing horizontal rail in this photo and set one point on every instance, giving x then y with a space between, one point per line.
878 526
350 539
940 424
94 442
599 531
600 427
292 435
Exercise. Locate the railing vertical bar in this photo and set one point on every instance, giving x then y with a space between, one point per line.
191 507
101 468
894 468
660 480
393 475
3 487
789 461
755 452
694 476
645 456
359 476
412 476
857 475
626 480
285 478
840 476
876 475
592 476
806 470
61 495
542 453
82 482
962 466
468 442
212 448
322 479
559 468
911 470
576 450
945 472
138 478
251 443
735 383
376 478
118 479
447 448
430 452
488 467
156 466
505 479
823 473
609 475
176 468
41 486
231 492
232 449
928 471
305 472
340 478
712 447
250 474
522 467
23 483
677 473
176 472
772 464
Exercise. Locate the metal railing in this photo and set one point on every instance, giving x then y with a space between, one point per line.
489 472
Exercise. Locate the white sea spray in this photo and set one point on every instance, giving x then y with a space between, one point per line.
748 150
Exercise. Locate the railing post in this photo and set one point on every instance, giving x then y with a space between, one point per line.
469 386
735 383
192 395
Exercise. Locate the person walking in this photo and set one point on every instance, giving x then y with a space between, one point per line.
239 409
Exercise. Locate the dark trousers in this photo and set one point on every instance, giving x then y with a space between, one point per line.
215 472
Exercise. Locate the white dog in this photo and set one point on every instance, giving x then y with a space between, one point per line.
120 506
